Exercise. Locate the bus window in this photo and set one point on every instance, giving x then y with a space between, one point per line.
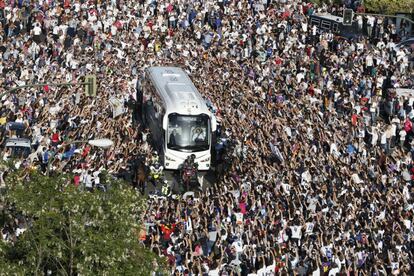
315 21
335 27
188 133
326 25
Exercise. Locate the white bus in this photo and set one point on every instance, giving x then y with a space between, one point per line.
177 115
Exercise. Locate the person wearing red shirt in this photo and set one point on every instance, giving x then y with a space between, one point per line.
408 125
354 119
76 180
167 230
86 151
55 139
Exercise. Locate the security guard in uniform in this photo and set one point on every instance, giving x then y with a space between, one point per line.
166 190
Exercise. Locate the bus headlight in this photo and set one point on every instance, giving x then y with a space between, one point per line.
169 159
205 160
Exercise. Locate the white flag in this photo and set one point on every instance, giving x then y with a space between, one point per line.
276 152
117 107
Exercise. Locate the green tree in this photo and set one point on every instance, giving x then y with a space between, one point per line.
389 6
71 231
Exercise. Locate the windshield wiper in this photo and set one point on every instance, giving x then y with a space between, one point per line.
192 147
175 147
196 147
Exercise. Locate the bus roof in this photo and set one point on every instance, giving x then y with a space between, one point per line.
18 142
405 92
177 91
328 16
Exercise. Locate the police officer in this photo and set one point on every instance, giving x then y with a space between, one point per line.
166 190
193 164
155 158
191 160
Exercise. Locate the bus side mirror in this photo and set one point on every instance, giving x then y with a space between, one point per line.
213 123
139 86
165 123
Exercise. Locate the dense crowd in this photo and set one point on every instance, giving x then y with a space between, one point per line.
321 177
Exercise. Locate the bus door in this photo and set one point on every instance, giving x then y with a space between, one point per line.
139 96
153 117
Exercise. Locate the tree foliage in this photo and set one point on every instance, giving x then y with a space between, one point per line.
389 6
71 231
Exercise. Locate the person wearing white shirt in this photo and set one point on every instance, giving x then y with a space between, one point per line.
296 233
336 267
316 272
20 231
380 44
370 25
55 32
360 22
375 137
334 150
262 271
369 62
383 140
393 133
37 30
87 179
402 135
286 188
309 228
96 178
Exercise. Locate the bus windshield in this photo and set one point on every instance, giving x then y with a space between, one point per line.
188 133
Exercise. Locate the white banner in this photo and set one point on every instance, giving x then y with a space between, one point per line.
276 152
117 107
